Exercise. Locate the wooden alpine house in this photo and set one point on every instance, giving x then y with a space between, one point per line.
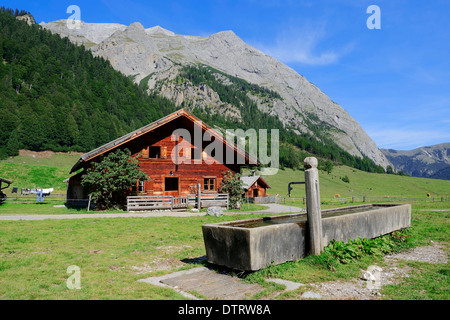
178 152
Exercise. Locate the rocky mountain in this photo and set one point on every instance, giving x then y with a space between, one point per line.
155 57
425 162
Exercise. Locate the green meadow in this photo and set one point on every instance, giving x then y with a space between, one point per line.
50 172
360 184
29 172
114 253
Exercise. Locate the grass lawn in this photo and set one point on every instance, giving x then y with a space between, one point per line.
113 254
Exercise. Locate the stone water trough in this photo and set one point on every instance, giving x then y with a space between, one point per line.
254 244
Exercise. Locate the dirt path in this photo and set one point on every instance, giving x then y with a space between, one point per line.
272 209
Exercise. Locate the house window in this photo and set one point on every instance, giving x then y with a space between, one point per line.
208 184
171 184
154 152
141 186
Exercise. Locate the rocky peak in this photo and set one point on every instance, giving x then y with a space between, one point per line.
158 30
136 26
135 31
228 38
152 53
28 18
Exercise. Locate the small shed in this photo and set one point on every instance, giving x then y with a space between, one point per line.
255 186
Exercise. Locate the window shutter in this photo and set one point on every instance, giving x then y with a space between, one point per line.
163 152
145 153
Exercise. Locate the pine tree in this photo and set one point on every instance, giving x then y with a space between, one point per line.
13 145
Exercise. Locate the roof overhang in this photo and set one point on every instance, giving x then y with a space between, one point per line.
154 125
249 181
3 180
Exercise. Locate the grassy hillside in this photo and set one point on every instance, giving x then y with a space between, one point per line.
48 170
361 184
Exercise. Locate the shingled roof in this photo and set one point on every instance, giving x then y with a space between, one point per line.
248 181
152 126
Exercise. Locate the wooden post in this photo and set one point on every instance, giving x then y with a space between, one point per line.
314 213
199 196
89 203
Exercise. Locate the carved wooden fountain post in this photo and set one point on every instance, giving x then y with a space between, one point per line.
313 205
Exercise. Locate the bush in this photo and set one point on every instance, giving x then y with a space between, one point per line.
109 182
326 166
339 252
232 185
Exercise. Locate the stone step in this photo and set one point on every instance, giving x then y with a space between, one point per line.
213 285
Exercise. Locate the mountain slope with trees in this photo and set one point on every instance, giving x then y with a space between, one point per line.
55 95
152 55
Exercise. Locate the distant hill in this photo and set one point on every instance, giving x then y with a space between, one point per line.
426 162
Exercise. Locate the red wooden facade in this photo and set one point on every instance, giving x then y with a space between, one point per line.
174 164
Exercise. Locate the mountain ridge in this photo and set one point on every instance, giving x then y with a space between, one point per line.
154 54
426 162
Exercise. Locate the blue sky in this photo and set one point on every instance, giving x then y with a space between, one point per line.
395 81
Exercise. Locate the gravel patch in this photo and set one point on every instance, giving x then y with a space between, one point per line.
368 286
430 254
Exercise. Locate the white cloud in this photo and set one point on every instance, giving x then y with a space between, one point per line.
302 44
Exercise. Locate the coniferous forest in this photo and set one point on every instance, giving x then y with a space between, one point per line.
55 95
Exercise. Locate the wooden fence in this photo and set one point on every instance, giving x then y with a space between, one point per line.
33 197
145 203
217 200
342 200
